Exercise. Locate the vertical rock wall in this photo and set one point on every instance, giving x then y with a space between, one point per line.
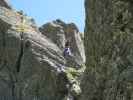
109 50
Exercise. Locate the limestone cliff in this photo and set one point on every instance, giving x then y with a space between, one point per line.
109 50
32 65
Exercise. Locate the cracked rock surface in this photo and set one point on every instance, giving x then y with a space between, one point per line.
32 64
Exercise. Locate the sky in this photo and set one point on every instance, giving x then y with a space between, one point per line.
44 11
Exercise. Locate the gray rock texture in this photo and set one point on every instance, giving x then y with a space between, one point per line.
109 50
5 3
32 65
59 33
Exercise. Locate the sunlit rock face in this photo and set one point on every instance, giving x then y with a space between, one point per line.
32 65
109 50
60 32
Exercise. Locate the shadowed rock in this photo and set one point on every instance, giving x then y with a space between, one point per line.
5 3
109 50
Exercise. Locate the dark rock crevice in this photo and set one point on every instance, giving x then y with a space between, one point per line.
18 62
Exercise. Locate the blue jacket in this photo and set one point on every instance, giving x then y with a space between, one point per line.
67 51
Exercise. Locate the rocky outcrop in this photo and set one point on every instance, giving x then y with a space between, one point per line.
5 3
109 50
59 33
32 64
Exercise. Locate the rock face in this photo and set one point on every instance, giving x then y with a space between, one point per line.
109 50
32 65
5 3
59 33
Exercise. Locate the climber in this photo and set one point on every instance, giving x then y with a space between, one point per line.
67 51
69 56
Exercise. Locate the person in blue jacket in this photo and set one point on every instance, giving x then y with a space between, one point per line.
67 51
